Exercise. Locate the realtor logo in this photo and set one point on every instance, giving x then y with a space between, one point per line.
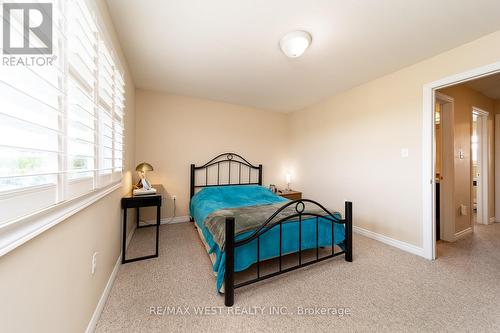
35 28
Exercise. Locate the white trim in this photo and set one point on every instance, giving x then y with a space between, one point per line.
428 209
169 220
102 301
428 173
15 234
129 238
463 233
496 172
492 220
480 111
26 190
105 35
444 98
407 247
483 201
447 199
105 294
174 220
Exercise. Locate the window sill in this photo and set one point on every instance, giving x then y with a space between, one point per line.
17 233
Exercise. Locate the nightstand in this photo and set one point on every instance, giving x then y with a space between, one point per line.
292 195
138 201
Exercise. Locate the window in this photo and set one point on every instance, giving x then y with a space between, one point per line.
61 126
110 106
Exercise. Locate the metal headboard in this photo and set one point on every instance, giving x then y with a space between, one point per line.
232 160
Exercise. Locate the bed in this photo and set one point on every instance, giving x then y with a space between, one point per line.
243 224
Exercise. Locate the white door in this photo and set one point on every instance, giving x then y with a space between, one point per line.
479 147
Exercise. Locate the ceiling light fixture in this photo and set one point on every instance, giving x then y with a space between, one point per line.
295 43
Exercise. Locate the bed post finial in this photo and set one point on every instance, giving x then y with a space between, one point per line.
348 231
229 274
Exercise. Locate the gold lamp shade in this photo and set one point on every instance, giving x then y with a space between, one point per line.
144 167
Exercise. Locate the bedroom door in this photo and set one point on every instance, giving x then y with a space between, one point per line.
479 148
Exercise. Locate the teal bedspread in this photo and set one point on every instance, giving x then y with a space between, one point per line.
212 199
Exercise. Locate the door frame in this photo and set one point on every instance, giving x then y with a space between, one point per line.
482 195
496 170
429 151
447 193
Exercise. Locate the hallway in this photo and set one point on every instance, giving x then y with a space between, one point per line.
479 249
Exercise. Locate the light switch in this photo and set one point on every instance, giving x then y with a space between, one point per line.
461 154
404 152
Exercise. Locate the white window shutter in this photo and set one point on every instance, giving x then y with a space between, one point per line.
61 126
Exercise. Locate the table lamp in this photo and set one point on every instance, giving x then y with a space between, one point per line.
288 179
143 186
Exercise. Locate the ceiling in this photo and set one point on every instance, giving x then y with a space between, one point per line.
228 50
488 86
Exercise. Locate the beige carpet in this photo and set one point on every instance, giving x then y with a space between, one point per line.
385 289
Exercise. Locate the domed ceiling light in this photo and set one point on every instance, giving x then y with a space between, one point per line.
295 43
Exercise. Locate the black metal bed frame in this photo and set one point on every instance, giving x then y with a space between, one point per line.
230 159
272 222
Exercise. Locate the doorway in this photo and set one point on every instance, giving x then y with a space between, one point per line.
429 152
479 167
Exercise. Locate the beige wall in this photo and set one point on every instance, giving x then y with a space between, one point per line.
464 99
46 284
348 147
175 131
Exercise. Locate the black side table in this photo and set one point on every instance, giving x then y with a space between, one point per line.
138 201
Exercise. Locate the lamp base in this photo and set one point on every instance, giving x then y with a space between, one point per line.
143 191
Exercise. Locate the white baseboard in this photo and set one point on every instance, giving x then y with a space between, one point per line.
129 238
169 220
107 289
102 301
176 219
463 233
413 249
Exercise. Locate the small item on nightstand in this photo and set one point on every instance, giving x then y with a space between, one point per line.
143 187
143 191
290 194
273 188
